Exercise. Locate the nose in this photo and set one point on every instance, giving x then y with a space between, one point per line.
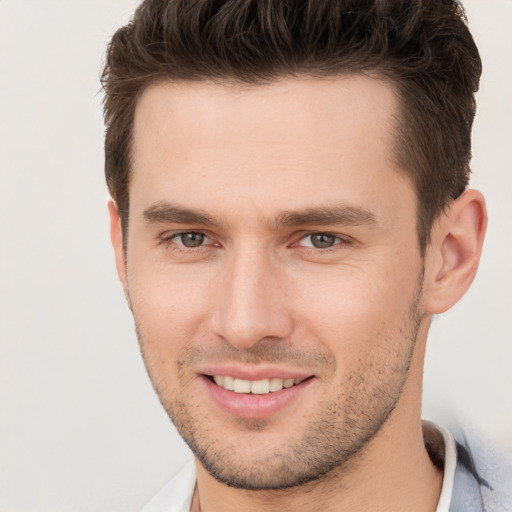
251 304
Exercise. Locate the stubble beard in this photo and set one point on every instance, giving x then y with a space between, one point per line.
334 438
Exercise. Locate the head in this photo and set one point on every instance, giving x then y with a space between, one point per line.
280 173
424 49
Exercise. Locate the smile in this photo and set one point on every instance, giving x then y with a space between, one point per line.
254 387
258 397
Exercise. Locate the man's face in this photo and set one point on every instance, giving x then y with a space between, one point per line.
272 241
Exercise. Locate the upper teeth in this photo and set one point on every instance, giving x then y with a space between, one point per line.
256 387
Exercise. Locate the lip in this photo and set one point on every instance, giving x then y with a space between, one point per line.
257 373
249 406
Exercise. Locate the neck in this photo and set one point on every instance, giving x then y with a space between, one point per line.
403 480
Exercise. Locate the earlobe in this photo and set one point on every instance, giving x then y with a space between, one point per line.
454 253
116 236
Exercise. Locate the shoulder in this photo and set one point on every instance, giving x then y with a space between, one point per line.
175 496
483 477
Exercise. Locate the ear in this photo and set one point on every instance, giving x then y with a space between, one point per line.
453 255
116 236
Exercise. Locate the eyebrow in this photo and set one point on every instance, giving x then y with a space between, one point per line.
324 216
165 212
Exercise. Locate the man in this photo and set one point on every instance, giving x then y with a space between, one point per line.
290 209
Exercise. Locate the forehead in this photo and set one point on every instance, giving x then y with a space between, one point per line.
289 109
277 143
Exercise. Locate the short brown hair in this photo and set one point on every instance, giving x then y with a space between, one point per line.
423 47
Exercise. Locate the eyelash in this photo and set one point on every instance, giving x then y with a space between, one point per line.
169 240
338 241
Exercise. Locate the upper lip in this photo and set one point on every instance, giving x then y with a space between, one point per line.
255 373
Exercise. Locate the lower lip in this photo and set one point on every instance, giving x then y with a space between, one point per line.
245 405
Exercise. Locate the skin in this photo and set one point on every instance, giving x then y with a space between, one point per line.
255 294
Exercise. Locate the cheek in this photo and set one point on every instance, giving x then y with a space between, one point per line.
169 307
353 310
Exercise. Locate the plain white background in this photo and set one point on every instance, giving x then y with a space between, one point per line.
80 427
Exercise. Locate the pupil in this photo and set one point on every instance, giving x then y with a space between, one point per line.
322 241
192 239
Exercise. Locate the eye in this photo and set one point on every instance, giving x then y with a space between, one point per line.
190 239
319 240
